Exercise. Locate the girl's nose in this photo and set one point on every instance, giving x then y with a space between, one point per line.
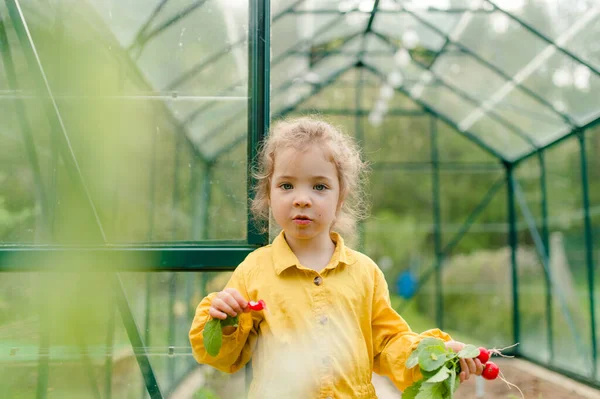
302 201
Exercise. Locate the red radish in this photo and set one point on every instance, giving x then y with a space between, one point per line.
490 371
260 305
484 355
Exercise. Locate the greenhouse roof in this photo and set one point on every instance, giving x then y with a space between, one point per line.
497 71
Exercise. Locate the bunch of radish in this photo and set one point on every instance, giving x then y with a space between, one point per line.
440 367
491 369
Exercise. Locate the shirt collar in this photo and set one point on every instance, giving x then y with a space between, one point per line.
284 257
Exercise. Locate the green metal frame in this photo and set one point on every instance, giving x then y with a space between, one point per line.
190 256
224 255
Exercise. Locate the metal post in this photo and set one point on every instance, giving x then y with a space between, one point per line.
512 240
437 239
171 329
110 338
361 141
175 186
259 48
546 241
589 246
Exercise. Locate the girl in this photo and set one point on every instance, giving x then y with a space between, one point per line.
328 323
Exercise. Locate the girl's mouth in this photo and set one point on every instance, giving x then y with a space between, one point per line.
302 220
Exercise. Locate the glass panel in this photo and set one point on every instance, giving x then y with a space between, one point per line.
552 19
500 137
466 73
458 148
397 141
289 97
477 266
445 101
139 110
535 119
290 68
445 22
569 86
410 33
495 44
570 300
339 96
27 158
582 44
532 289
408 221
280 6
405 76
300 31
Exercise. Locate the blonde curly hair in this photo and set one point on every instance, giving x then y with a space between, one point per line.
344 152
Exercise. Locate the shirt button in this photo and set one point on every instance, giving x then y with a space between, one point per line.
323 320
318 280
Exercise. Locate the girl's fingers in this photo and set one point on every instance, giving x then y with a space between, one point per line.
472 366
216 314
239 299
221 305
479 366
464 368
228 299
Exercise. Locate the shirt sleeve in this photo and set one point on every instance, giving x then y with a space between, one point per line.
393 339
237 347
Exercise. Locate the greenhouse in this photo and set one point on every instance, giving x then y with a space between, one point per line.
129 131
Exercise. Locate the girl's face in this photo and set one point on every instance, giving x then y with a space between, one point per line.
305 193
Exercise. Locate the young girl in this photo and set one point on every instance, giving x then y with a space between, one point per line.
328 323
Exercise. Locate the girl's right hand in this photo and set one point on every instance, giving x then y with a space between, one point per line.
228 302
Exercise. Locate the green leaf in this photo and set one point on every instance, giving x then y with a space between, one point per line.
440 375
412 391
430 341
413 359
428 374
229 321
452 383
432 358
212 335
469 351
432 391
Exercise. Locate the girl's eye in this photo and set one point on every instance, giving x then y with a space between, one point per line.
320 187
286 186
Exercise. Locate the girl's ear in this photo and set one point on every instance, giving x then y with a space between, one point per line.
339 205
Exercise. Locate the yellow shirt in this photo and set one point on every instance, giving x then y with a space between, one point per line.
322 334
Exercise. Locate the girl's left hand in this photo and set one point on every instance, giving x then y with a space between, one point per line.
467 366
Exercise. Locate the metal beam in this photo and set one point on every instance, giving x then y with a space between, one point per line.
467 97
277 60
531 67
182 256
437 221
316 89
165 25
217 56
470 136
559 140
558 44
589 252
513 243
365 112
487 64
